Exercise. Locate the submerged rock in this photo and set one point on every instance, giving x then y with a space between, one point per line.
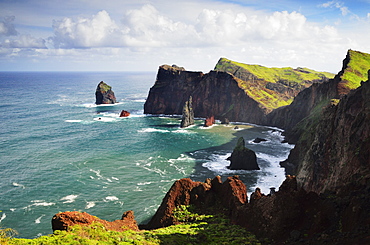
243 158
187 114
259 140
104 94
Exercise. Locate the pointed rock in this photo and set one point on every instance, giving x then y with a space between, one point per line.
243 158
187 114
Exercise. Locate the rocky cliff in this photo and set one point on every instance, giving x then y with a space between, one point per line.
171 90
230 91
308 103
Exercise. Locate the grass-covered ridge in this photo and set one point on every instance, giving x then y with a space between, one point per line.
195 228
356 70
271 87
288 74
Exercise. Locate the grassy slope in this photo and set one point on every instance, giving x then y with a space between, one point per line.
268 98
356 70
194 229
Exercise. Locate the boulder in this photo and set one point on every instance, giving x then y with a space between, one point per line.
242 158
62 221
124 113
209 121
187 114
104 94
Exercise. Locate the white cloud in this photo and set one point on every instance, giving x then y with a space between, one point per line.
7 27
24 41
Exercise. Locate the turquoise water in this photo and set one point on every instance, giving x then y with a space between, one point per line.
60 152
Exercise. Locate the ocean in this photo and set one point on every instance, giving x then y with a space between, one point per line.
60 152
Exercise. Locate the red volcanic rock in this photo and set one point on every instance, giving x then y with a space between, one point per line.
209 121
62 221
124 113
230 195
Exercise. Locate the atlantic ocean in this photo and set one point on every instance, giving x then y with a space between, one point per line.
60 152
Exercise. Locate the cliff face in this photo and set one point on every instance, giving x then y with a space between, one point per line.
335 152
219 94
171 90
308 103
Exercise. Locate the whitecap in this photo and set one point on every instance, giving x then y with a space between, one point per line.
144 183
183 131
69 198
12 209
2 217
111 198
115 178
151 130
89 205
38 220
105 119
18 185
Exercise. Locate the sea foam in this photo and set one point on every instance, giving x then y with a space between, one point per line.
69 198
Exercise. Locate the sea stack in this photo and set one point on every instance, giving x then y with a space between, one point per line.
242 158
187 114
104 94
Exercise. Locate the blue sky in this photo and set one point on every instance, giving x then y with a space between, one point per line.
121 35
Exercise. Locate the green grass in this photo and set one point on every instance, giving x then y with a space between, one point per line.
286 74
357 69
195 228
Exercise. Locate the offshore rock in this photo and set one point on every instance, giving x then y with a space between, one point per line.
242 158
124 113
104 94
209 121
62 221
230 195
187 114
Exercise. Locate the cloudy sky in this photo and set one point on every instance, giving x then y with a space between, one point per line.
140 35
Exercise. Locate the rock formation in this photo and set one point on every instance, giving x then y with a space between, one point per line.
258 140
230 195
124 113
62 221
242 158
187 114
209 121
104 94
172 88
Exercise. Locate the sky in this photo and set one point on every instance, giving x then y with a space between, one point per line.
141 35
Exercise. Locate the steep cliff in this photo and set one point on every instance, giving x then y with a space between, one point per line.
274 87
308 104
171 90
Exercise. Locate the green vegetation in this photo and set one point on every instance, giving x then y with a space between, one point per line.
105 87
286 74
194 228
356 70
271 87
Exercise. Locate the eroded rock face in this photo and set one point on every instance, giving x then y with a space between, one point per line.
209 121
171 90
187 114
104 94
62 221
231 194
243 158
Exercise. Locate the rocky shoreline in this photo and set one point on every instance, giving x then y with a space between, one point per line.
324 200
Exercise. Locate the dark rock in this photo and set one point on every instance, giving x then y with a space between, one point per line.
259 140
62 221
104 94
225 121
209 121
243 158
124 113
187 114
